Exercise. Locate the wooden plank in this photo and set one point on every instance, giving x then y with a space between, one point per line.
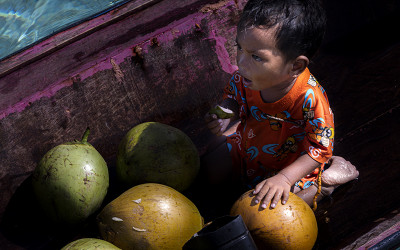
365 99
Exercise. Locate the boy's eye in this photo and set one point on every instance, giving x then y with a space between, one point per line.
238 47
257 58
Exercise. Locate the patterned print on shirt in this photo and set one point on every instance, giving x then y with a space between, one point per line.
309 105
253 152
321 133
276 124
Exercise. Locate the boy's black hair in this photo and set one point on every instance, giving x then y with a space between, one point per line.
300 24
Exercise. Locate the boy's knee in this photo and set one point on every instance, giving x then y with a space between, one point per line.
339 172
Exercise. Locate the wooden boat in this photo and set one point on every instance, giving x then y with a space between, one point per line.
167 61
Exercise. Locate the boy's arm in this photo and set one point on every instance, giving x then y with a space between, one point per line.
278 186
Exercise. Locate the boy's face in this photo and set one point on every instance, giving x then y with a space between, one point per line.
261 64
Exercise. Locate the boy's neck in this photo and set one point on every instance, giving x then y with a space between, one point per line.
272 95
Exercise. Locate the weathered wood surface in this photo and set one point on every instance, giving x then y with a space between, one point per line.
360 74
103 82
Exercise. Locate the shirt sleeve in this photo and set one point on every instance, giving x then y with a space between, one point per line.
319 125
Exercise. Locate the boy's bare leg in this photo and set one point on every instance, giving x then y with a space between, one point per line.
339 172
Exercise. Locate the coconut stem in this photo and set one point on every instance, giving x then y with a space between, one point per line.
86 135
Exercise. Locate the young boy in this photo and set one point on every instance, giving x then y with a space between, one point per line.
285 134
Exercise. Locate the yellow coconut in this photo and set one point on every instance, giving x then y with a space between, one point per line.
149 216
289 226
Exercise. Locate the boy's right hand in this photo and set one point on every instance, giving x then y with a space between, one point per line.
215 124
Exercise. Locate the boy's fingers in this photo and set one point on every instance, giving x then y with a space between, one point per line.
214 124
260 194
285 197
276 199
209 117
268 198
258 187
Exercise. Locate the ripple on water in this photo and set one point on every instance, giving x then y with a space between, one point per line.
23 22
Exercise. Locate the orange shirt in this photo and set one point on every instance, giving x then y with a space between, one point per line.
273 135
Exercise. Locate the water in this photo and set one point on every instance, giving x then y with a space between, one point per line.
24 22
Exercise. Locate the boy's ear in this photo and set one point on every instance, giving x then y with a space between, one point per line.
299 65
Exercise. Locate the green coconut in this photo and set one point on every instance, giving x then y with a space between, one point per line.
89 244
71 181
157 153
